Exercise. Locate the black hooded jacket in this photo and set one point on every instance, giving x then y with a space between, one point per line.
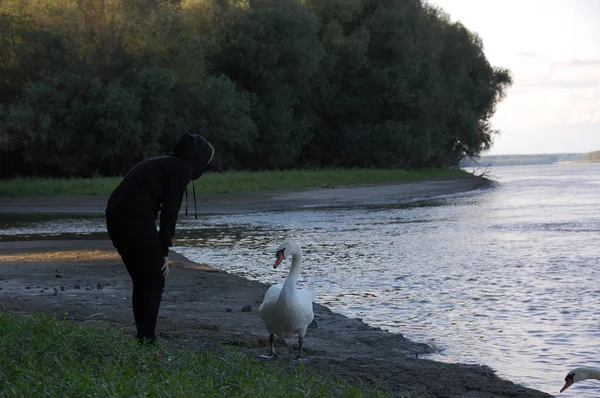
157 184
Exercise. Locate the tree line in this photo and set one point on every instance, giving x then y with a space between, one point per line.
90 87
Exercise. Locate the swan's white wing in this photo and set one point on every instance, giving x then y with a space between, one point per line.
272 293
268 307
306 295
304 304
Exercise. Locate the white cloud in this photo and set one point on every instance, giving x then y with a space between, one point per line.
553 92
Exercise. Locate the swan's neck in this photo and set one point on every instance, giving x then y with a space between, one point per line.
587 373
292 277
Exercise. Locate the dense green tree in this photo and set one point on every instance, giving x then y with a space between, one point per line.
273 52
89 87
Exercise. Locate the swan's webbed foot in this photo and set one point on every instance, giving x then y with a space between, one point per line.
300 357
272 354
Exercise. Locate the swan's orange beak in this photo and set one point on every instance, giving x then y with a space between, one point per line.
278 260
567 385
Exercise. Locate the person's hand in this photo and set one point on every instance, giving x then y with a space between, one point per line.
165 267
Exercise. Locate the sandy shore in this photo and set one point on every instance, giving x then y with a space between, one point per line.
262 201
202 306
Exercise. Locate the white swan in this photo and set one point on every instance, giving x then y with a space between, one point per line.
286 310
580 374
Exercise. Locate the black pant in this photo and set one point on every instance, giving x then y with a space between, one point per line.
135 237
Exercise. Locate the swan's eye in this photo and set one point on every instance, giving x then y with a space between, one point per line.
280 253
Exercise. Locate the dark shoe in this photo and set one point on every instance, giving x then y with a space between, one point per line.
146 342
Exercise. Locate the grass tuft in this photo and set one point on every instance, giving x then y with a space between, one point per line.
230 182
42 356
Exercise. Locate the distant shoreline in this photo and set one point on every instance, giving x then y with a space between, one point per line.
529 160
510 164
578 162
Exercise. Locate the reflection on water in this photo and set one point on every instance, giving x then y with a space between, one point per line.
51 226
505 277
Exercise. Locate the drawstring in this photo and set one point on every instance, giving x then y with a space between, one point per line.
195 210
186 200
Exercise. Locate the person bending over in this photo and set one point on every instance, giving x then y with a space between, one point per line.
153 185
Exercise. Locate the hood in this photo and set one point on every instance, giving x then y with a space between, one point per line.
195 150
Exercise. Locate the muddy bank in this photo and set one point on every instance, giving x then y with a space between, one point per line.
85 281
262 201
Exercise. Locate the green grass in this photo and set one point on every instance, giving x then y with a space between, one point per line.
229 182
42 356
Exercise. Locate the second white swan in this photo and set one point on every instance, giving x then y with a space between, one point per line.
580 374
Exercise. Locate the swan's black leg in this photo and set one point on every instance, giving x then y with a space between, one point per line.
272 342
300 341
272 354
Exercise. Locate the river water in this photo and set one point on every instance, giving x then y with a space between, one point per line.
506 277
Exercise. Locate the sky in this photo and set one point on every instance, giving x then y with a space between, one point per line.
552 48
